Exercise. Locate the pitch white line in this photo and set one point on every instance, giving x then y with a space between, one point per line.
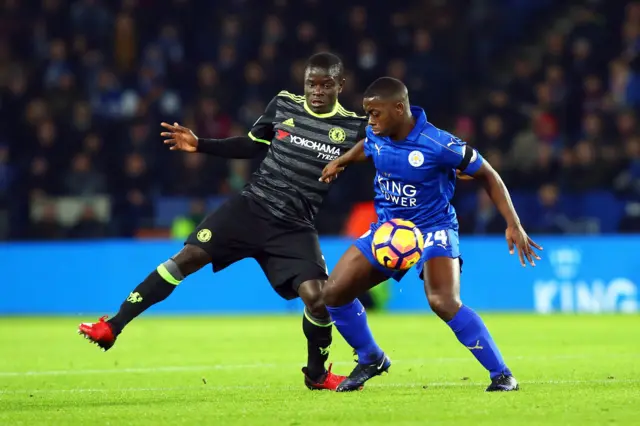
178 369
425 385
189 368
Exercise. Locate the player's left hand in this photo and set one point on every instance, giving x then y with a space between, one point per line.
518 238
331 171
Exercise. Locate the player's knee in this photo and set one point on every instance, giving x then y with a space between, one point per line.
317 308
191 259
331 295
444 306
311 294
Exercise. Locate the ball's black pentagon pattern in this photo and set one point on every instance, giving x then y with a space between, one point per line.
388 243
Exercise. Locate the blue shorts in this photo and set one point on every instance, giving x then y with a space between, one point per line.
440 243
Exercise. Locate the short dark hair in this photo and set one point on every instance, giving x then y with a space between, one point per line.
328 61
386 88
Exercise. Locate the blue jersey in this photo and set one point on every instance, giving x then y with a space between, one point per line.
416 178
415 181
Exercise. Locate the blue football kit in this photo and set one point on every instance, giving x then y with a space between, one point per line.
415 180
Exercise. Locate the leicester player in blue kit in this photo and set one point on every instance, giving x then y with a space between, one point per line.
417 165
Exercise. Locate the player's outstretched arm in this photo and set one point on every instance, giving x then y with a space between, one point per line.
183 139
335 167
515 233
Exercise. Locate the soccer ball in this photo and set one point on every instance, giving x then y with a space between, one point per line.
397 244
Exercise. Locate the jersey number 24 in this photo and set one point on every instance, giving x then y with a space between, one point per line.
438 237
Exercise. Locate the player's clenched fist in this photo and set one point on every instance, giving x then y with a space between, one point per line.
179 138
331 171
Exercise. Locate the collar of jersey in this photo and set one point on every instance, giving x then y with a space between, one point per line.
421 120
331 113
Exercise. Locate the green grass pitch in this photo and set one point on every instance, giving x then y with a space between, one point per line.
574 370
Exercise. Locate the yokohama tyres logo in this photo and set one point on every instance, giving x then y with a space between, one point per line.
316 146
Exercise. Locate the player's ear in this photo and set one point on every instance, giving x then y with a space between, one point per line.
341 83
399 108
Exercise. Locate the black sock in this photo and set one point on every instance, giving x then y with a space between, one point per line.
318 333
155 288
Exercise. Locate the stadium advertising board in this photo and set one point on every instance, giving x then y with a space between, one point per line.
577 275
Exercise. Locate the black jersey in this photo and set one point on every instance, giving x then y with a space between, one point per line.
301 144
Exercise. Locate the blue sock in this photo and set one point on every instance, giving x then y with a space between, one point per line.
471 332
351 322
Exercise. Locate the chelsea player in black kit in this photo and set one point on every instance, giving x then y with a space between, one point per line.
272 219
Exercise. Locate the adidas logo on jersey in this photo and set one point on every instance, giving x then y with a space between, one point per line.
289 122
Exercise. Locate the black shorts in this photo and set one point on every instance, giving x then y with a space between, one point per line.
289 253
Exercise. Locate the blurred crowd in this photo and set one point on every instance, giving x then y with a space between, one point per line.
84 85
568 124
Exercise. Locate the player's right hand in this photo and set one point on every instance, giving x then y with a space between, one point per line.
331 171
179 138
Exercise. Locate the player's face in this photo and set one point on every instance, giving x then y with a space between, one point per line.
385 117
321 89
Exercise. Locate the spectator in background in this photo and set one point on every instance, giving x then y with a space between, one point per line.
57 64
555 53
209 85
368 60
107 99
91 19
627 186
93 78
583 61
134 200
493 135
183 226
521 86
170 43
485 219
40 179
197 175
585 174
557 86
593 97
626 125
81 121
48 145
211 121
255 85
7 176
540 167
549 218
500 105
47 227
125 43
83 179
62 95
88 226
619 76
140 141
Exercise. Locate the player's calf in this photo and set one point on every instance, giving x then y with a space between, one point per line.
317 328
158 285
442 286
474 335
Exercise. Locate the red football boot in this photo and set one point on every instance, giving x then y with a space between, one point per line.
329 381
99 333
